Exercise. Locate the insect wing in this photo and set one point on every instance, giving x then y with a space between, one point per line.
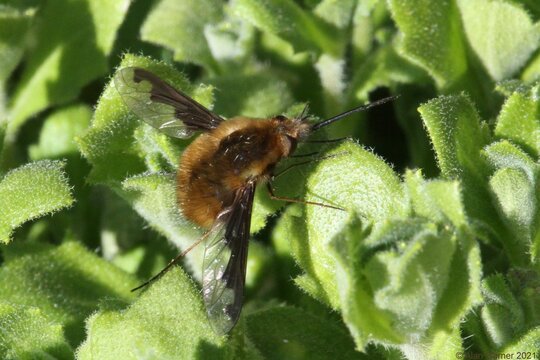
224 265
162 106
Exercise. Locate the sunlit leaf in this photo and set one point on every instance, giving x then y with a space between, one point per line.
503 37
69 52
32 191
174 306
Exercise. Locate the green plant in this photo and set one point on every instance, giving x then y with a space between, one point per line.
427 263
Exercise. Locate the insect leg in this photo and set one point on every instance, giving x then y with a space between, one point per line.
305 155
326 140
287 199
172 263
307 162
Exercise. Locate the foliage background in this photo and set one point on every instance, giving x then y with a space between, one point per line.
439 253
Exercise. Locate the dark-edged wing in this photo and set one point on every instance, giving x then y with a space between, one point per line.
224 265
162 106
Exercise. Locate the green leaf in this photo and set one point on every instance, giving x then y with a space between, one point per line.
64 283
368 186
14 25
70 51
513 164
504 36
127 242
291 333
532 7
504 154
263 207
332 74
291 227
458 136
258 95
458 299
408 282
497 324
27 333
441 202
338 13
31 191
231 41
405 278
432 37
514 194
287 20
502 315
438 200
384 67
364 320
524 283
57 137
530 342
185 31
531 73
398 277
3 127
159 151
180 329
444 344
260 267
519 119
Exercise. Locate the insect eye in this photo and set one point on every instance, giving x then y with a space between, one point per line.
281 118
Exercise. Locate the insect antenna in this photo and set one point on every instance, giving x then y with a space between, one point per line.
171 263
326 122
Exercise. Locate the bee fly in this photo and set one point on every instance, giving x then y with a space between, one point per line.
217 177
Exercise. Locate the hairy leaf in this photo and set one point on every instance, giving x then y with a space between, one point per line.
502 314
180 330
432 37
528 343
185 32
57 137
519 119
287 20
370 188
65 283
287 332
27 333
70 51
31 191
14 25
503 37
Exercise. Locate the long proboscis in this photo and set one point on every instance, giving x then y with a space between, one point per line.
365 107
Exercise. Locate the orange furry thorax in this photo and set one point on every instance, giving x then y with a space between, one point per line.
218 163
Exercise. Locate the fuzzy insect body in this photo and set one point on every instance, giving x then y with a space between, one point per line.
220 162
217 177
